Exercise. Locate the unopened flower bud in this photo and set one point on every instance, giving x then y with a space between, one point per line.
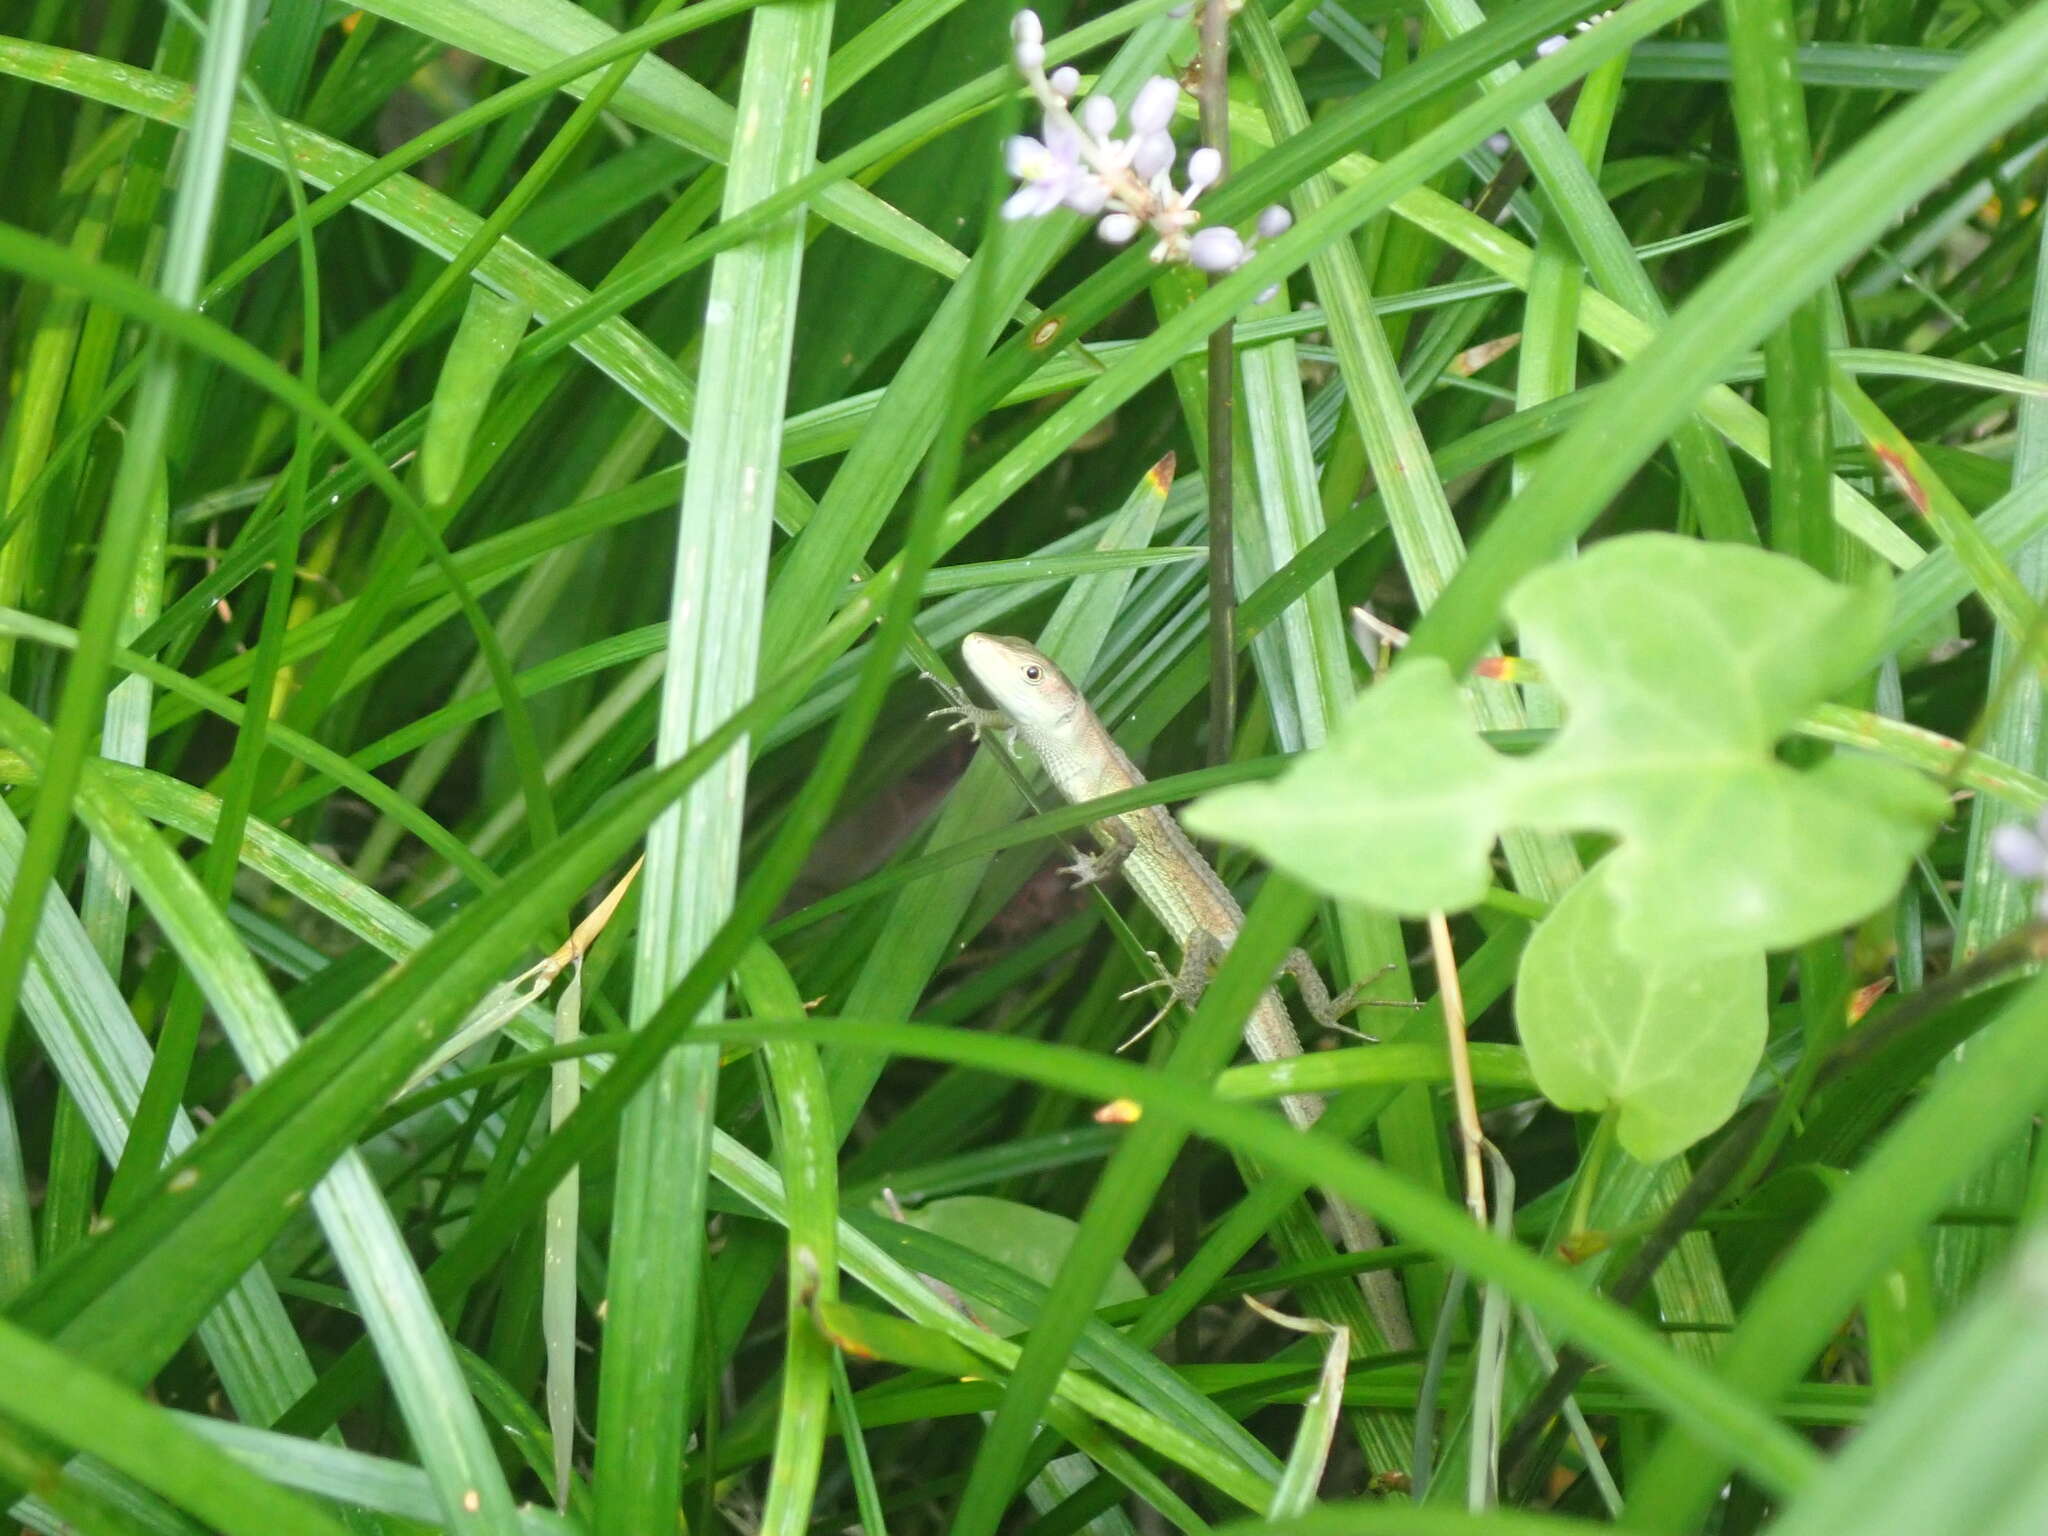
1204 166
1065 81
1153 155
1098 116
1030 57
1216 250
1274 221
1087 196
1152 109
1117 228
1025 28
1269 294
1550 45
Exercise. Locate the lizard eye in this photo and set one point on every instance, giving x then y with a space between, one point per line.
1031 674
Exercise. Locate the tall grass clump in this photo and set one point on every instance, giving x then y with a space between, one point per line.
515 1017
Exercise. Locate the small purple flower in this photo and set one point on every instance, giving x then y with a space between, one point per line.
1087 196
1152 108
1050 170
2023 852
1216 250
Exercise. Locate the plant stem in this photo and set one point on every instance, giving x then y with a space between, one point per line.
1215 103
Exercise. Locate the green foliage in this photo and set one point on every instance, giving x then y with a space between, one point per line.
1681 666
1667 1037
449 448
1019 1237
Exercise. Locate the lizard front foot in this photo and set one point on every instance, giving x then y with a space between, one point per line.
1088 869
962 712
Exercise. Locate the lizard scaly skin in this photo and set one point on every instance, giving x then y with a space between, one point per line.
1168 872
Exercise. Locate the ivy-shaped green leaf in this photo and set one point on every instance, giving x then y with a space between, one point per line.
1667 1040
1681 665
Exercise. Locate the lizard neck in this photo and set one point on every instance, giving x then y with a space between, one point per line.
1082 759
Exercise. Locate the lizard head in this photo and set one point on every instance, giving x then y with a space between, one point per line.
1022 679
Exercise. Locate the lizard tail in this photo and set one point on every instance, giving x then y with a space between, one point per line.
1358 1232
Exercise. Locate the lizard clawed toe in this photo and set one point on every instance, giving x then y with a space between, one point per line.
1149 1025
1088 869
961 714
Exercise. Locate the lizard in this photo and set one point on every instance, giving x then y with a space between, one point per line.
1037 702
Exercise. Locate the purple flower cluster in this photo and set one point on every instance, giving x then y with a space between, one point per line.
1125 183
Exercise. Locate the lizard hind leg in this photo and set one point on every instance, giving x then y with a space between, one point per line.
1198 963
1094 868
1327 1010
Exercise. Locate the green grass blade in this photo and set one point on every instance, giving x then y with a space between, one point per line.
47 1390
530 35
1968 1112
129 529
693 850
90 1037
1993 901
366 1241
1845 208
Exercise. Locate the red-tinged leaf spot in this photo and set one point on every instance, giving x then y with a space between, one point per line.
1508 669
1581 1246
841 1339
1861 999
1119 1112
1903 477
1047 331
1160 475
